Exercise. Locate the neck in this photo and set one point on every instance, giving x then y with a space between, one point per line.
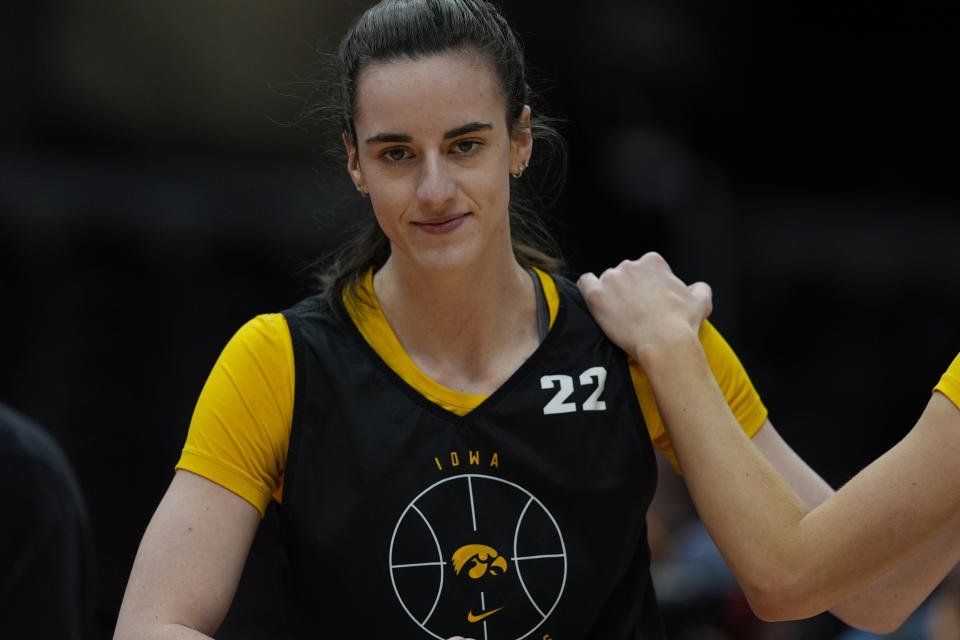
467 329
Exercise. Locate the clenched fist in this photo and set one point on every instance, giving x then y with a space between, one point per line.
643 307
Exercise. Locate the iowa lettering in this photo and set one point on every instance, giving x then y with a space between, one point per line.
471 459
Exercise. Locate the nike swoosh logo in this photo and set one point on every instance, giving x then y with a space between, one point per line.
473 618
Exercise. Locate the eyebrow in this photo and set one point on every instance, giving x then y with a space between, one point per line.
453 133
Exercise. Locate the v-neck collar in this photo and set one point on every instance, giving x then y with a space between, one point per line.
373 326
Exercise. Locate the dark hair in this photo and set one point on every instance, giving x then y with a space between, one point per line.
394 29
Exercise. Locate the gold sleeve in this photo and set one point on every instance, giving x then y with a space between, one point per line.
949 384
240 428
740 393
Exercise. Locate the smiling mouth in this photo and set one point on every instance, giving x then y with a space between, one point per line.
442 226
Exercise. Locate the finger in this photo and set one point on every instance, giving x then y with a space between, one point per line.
587 283
701 290
703 295
654 258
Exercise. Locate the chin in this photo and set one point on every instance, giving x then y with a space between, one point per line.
452 259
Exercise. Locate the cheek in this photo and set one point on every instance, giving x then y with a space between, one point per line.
500 186
495 183
389 199
384 213
391 207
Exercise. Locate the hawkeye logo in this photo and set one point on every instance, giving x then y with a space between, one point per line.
477 556
483 557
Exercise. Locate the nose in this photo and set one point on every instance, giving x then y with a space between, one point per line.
437 185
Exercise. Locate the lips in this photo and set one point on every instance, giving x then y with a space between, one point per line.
443 225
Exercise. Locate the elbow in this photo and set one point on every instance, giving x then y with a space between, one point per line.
782 596
880 621
879 627
779 596
772 607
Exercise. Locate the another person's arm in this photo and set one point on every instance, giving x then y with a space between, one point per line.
884 604
791 562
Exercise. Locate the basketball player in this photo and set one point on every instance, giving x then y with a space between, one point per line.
455 446
792 561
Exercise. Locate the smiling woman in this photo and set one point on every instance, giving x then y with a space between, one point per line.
455 446
435 152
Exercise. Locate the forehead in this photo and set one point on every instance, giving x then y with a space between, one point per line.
439 91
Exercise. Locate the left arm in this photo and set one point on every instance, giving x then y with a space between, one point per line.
884 604
791 561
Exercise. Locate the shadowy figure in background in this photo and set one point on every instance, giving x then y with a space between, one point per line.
46 571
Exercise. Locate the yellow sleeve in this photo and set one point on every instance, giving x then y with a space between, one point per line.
742 397
949 384
240 429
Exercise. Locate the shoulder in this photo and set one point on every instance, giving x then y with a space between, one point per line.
255 369
320 304
723 360
566 286
315 316
265 337
569 293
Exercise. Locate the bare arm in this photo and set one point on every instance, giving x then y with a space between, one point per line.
883 605
791 562
189 562
797 564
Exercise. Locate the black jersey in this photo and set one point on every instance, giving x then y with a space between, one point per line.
524 518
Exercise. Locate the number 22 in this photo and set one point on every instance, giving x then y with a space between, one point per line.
558 403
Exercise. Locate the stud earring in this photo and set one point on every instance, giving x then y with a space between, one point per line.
523 167
363 192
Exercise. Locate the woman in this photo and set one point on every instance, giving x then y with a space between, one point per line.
456 447
793 562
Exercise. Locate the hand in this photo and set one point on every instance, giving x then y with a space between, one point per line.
643 307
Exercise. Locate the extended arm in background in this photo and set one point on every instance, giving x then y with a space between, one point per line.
886 603
791 561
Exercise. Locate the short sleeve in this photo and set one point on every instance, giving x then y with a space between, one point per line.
240 430
742 397
949 384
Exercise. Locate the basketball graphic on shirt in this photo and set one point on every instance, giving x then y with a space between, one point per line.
478 556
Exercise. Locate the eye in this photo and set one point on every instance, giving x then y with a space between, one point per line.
467 147
395 155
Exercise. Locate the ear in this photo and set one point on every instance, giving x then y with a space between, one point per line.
521 145
353 162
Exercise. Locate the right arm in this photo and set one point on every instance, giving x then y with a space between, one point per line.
189 562
190 559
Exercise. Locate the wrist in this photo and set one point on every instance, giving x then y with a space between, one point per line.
661 351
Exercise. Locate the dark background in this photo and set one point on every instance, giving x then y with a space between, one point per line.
802 159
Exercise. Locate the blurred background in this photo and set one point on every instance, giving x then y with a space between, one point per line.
802 158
